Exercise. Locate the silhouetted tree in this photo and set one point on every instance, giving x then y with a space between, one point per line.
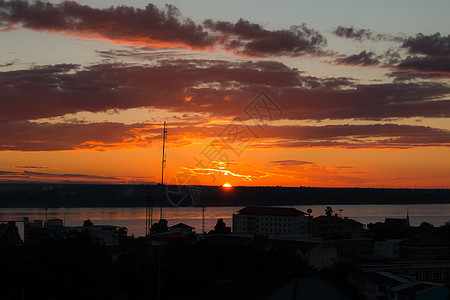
221 227
159 227
426 227
88 223
122 231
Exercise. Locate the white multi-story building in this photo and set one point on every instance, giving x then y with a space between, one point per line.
271 221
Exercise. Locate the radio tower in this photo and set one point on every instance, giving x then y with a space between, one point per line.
161 215
148 225
163 165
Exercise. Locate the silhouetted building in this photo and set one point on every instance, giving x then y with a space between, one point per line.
37 231
428 270
336 227
386 285
181 227
397 228
271 221
424 246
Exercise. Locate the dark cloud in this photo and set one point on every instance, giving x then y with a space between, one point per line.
357 136
290 162
252 39
410 75
160 27
25 136
32 167
430 58
364 34
363 58
430 45
69 178
8 64
214 87
439 65
352 33
143 26
87 176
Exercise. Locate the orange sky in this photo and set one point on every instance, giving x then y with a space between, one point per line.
246 102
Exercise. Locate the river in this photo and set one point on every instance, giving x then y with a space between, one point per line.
134 217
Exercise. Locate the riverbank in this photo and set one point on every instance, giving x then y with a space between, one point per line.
96 195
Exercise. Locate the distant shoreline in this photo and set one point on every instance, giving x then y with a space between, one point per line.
100 195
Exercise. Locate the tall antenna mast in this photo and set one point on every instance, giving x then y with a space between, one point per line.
163 163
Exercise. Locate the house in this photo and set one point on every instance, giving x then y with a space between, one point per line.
418 291
425 246
181 227
336 227
397 228
428 270
387 285
271 221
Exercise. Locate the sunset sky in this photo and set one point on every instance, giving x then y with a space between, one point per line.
290 93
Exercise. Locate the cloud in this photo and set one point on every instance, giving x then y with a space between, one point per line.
426 65
430 45
352 33
8 64
430 57
363 58
152 26
252 39
32 176
290 162
33 167
364 34
410 75
216 88
123 23
87 176
354 136
29 136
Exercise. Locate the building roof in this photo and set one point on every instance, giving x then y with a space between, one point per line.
346 221
396 222
182 226
271 211
351 222
328 218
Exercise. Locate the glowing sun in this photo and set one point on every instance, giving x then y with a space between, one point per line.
226 185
